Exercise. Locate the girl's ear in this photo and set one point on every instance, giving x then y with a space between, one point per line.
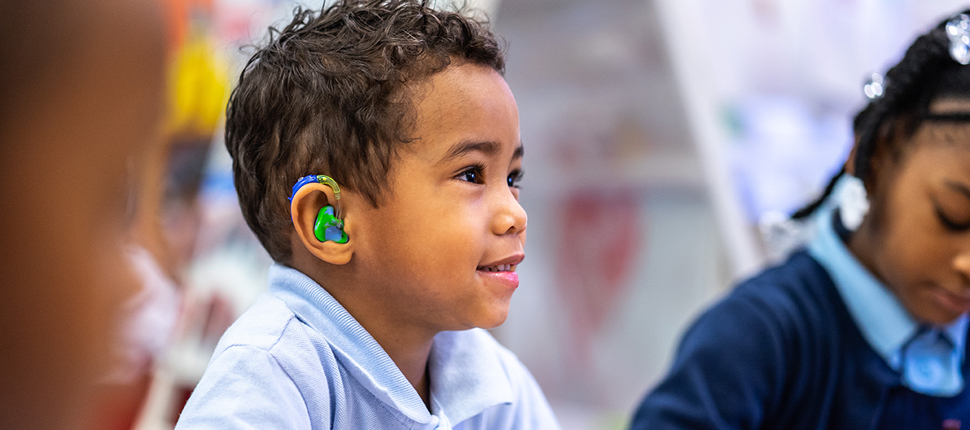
879 158
850 162
305 208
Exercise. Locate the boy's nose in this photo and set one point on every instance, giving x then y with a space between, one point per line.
510 218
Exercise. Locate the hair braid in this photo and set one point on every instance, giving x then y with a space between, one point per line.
907 82
815 204
909 85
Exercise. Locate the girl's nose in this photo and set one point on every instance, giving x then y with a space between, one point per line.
961 263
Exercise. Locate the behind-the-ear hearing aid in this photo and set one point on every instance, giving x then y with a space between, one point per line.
328 225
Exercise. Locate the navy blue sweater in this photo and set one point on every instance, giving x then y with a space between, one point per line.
782 352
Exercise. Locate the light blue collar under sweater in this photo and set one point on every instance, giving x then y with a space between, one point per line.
908 347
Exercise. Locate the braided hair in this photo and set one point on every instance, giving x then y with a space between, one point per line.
926 73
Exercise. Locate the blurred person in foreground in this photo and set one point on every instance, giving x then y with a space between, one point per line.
166 215
81 84
866 327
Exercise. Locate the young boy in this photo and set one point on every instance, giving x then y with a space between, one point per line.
374 317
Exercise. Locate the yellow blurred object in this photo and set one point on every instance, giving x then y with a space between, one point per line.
198 89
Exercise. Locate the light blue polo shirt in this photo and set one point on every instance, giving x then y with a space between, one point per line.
298 360
884 322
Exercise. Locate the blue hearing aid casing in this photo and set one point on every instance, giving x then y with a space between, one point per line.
328 225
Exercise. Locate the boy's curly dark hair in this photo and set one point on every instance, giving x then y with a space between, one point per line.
329 94
926 73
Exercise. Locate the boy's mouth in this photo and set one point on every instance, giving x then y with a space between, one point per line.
504 265
499 268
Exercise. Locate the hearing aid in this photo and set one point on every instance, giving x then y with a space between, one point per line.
328 225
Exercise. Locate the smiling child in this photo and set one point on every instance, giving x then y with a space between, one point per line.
866 328
376 155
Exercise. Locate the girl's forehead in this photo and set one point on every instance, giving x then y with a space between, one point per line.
950 105
953 130
953 135
941 151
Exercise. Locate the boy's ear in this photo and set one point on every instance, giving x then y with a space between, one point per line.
305 206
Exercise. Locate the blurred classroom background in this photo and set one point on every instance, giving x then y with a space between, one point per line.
664 137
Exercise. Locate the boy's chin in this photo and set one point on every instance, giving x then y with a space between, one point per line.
483 317
493 320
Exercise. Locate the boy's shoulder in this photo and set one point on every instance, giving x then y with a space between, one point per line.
267 323
267 370
270 330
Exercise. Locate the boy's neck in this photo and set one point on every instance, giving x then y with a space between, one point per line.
410 353
409 347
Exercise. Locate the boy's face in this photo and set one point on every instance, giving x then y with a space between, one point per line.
440 253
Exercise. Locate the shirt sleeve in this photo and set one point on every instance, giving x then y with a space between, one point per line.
245 388
727 370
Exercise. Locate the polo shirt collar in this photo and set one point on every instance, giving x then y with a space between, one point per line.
466 374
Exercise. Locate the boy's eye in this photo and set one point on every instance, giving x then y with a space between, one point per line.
514 178
471 174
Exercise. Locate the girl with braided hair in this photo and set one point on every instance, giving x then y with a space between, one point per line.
866 327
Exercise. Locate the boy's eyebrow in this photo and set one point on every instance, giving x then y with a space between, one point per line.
519 152
487 148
